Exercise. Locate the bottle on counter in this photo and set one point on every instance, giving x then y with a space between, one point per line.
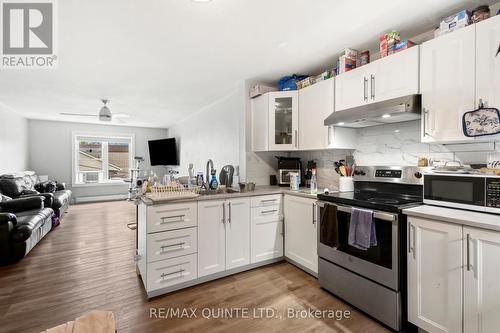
313 183
213 181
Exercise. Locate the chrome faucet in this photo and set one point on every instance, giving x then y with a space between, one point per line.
210 167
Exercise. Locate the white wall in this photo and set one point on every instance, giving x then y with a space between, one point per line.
13 141
50 151
215 132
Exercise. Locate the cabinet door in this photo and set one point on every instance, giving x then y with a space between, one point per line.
211 237
447 73
315 104
488 62
300 231
266 233
435 275
260 122
238 233
395 76
351 88
481 286
283 120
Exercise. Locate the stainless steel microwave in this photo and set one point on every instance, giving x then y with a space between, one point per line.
466 191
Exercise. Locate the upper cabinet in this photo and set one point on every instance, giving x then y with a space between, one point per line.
458 71
447 84
294 120
488 62
390 77
283 120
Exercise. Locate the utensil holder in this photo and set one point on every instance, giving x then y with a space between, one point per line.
346 184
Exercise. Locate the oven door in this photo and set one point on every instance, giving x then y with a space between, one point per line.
379 263
463 192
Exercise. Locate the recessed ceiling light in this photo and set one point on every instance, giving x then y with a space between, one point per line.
341 124
397 131
386 115
282 44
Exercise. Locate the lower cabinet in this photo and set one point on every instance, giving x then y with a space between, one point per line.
301 238
223 235
267 230
481 281
451 265
435 275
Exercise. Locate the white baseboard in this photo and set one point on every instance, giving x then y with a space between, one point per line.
100 198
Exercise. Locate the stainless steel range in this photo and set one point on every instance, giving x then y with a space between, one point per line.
372 279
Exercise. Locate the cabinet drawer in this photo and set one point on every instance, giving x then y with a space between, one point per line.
271 212
169 272
170 244
172 216
266 200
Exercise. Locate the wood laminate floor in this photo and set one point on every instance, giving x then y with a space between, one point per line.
86 263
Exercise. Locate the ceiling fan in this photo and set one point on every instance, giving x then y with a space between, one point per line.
104 113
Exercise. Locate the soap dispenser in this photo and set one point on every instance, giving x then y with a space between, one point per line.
213 180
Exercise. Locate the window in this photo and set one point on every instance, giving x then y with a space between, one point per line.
101 159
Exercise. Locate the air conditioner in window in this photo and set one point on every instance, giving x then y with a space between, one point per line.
91 176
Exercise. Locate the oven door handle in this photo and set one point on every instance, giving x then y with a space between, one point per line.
376 214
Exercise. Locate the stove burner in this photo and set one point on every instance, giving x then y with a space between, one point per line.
386 201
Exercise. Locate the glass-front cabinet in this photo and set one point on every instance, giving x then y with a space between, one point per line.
283 120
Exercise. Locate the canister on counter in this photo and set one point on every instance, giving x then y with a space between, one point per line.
294 181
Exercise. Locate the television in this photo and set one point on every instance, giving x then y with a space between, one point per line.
163 152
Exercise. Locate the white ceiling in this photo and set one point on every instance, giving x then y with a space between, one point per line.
160 60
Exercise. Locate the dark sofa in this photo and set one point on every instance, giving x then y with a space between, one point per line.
23 223
25 184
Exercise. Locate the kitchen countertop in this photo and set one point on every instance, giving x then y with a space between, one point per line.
259 190
458 216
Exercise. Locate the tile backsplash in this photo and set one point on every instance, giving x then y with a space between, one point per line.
393 144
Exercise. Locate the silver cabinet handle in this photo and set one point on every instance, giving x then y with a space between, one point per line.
329 135
180 271
269 200
269 211
179 217
163 247
426 119
414 241
224 212
409 237
229 218
372 86
296 139
314 214
468 252
365 88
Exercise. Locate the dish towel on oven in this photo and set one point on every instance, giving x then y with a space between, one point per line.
362 232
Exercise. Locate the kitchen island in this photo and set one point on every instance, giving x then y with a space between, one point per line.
185 242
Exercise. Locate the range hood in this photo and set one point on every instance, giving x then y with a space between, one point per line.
395 110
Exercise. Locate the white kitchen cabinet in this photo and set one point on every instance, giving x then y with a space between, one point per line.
481 285
237 232
211 237
316 103
266 232
301 232
434 275
390 77
352 88
488 62
224 236
260 123
283 120
447 75
395 75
